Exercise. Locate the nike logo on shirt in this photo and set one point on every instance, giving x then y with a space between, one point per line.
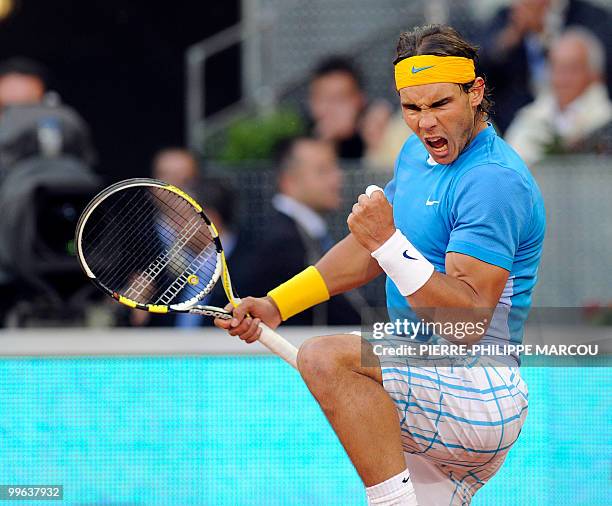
431 202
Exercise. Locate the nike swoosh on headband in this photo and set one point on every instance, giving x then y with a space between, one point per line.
416 70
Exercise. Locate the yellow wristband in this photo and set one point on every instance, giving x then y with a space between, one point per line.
302 291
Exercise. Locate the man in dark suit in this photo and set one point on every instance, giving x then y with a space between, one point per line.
309 185
219 201
514 48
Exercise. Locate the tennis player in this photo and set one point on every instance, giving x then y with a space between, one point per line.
460 225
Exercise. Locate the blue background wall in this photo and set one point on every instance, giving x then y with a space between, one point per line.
245 431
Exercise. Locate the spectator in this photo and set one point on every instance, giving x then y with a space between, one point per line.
336 102
576 105
309 185
33 122
516 43
338 109
176 166
179 167
22 81
46 177
219 202
384 132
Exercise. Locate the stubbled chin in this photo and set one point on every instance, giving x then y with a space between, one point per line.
441 155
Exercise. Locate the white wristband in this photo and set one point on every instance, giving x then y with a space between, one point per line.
403 263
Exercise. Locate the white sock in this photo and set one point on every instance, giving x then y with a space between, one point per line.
396 491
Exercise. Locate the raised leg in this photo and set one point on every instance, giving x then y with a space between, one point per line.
353 399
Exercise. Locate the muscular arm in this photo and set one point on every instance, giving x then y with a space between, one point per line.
347 265
468 292
468 283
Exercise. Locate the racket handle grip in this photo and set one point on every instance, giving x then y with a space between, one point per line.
278 345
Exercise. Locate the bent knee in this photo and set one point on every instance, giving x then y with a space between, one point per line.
322 358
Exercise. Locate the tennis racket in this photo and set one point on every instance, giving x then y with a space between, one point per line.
150 246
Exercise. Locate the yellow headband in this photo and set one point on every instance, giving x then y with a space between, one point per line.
428 69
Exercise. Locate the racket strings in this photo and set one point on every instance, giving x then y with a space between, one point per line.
194 267
150 245
178 263
119 269
150 235
94 229
187 247
135 239
163 259
129 240
106 219
146 281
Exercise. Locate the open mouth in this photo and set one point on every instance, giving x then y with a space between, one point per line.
439 145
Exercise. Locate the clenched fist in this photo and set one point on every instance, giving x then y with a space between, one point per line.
371 220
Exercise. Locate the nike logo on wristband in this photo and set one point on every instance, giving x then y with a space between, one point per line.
406 479
406 255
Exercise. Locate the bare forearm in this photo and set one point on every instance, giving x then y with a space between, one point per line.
444 291
446 299
347 265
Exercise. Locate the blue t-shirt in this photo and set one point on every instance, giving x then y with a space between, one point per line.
485 204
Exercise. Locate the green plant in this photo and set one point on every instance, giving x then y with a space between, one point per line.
254 138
